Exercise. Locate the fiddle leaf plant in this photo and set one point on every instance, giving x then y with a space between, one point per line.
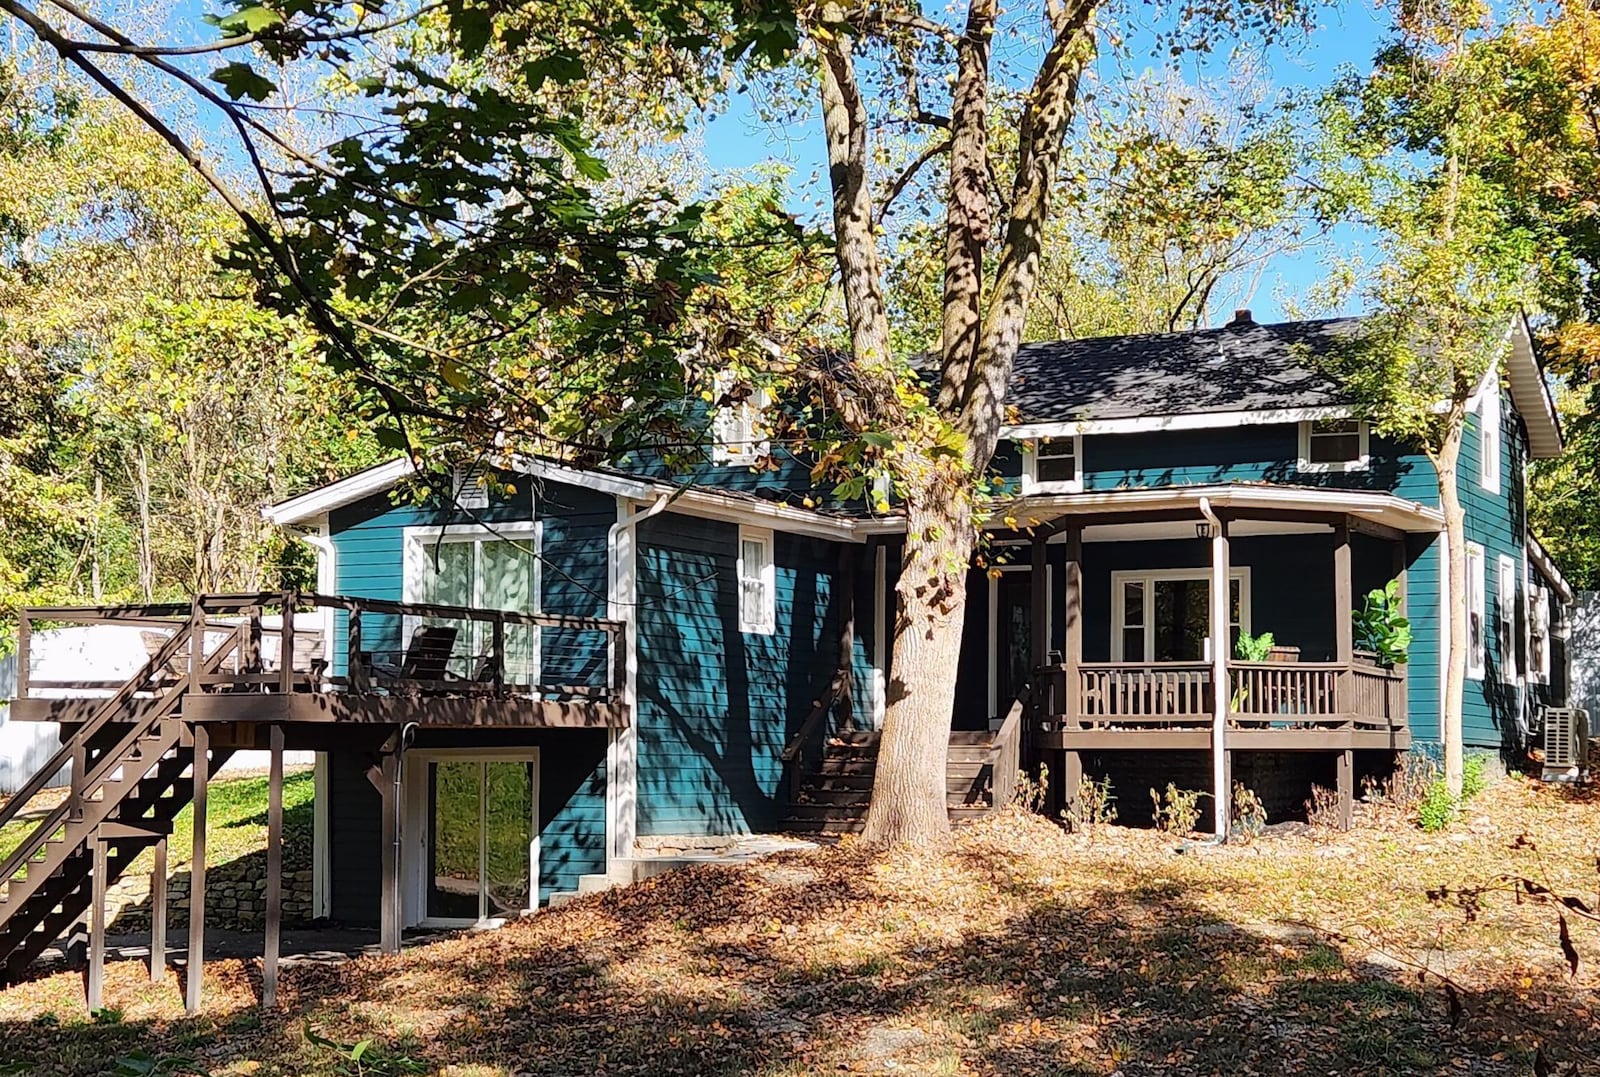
1381 627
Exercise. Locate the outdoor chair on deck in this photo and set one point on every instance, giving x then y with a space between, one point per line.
424 665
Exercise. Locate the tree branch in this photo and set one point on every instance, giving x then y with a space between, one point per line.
904 179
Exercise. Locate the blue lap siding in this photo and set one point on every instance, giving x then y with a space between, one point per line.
716 705
369 539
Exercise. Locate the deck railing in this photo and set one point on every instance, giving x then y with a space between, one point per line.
1261 695
380 651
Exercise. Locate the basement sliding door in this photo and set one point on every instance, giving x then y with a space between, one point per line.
473 853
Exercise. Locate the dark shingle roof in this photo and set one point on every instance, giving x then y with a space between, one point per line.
1238 367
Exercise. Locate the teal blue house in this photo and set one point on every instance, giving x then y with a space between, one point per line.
756 656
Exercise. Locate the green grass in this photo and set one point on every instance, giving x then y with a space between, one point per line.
236 824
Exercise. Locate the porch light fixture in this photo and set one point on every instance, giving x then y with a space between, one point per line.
1203 530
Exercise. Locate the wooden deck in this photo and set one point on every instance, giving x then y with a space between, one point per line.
487 667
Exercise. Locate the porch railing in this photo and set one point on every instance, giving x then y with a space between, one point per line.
379 651
1261 695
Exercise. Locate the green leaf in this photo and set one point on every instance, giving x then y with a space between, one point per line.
561 68
250 20
241 80
473 27
391 438
453 375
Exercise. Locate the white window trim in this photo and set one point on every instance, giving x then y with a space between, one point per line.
1329 467
1537 595
1506 619
1476 604
1030 469
994 628
416 541
414 857
1149 577
735 429
763 622
1490 434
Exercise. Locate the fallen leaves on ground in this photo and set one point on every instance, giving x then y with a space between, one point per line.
1018 950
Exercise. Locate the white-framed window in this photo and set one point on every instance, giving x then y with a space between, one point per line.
758 604
1333 445
1164 615
1475 611
493 567
1505 598
736 429
1538 631
1053 465
1489 438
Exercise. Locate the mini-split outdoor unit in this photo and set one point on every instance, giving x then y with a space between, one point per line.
1566 742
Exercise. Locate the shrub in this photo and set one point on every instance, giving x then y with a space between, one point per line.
1030 794
1092 807
1249 814
1436 809
1474 775
1178 811
1322 810
1381 628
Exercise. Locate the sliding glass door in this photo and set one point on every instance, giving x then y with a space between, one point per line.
475 847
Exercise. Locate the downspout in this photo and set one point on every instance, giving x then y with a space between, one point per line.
621 765
1219 676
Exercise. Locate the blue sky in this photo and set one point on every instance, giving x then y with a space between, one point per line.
1346 35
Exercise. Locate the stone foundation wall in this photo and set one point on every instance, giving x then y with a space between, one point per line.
236 894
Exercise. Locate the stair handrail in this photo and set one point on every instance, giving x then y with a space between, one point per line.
80 738
815 720
30 788
1005 750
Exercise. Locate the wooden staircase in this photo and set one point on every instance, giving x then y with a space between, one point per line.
832 799
128 764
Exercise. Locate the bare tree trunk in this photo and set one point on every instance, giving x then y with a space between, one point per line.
908 792
1446 463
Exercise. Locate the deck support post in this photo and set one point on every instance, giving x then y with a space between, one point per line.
95 991
195 970
389 893
158 913
269 958
1221 644
1347 788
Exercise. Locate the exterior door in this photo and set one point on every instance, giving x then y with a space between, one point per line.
1011 638
472 857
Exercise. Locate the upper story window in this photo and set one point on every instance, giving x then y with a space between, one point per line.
1333 445
1475 612
736 432
757 592
1489 429
1506 617
1053 465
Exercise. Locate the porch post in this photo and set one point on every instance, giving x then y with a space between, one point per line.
1343 592
194 970
1220 688
1040 614
1072 658
269 957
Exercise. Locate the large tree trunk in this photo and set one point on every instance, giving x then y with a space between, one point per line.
908 792
1446 463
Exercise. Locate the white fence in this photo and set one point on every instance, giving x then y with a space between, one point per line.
1583 652
89 653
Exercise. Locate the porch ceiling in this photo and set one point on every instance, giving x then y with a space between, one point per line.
1252 508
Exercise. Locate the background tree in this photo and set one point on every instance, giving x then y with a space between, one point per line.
1454 261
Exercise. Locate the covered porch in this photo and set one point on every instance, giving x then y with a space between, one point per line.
1136 586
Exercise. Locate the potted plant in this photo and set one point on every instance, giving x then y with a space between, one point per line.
1382 632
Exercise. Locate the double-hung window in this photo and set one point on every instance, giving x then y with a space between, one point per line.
1506 617
757 577
1475 612
1053 465
1539 634
736 429
1334 445
1164 615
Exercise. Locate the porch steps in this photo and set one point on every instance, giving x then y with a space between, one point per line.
833 799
